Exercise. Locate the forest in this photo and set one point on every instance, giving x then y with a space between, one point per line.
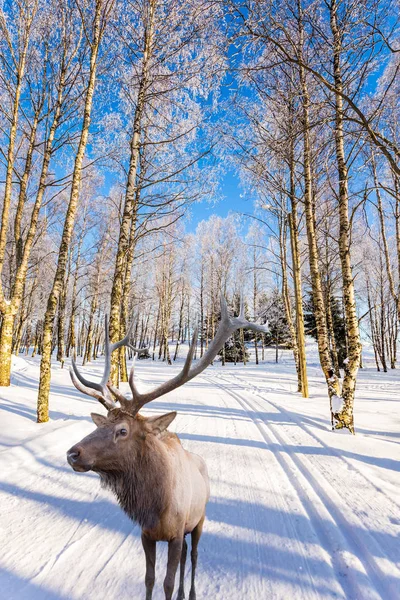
116 120
159 155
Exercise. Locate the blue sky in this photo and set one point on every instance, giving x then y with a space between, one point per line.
233 199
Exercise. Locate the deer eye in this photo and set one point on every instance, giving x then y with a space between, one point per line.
123 432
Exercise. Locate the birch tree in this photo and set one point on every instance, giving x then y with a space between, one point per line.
315 39
47 100
174 61
94 24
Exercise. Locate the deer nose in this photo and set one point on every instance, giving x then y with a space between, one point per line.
73 455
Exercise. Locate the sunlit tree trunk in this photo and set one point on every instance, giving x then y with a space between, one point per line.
202 309
255 295
243 345
11 307
313 254
25 36
23 189
345 417
45 365
62 303
18 331
71 328
331 332
286 296
180 325
296 265
125 232
156 330
7 307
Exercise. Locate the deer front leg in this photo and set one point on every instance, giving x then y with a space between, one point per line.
149 547
174 556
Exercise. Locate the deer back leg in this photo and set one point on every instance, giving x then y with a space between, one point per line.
149 547
181 591
196 534
174 556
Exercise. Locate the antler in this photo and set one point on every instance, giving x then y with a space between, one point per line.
226 328
101 391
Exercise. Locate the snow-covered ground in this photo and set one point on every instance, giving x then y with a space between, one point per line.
296 511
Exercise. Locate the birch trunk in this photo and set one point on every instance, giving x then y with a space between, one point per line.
182 306
17 338
255 294
202 309
313 254
23 189
156 330
45 365
242 343
6 336
20 73
331 331
8 309
296 266
126 289
397 229
130 194
71 328
286 298
12 306
62 303
345 417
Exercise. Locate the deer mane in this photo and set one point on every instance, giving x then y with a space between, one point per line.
143 486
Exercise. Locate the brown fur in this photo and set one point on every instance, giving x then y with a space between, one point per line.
156 481
147 471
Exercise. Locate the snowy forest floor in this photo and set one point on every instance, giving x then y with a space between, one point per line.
296 511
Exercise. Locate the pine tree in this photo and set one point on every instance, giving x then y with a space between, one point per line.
338 326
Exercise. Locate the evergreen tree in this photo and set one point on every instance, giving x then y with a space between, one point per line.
338 325
273 310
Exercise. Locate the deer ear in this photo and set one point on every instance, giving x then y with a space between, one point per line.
160 424
98 420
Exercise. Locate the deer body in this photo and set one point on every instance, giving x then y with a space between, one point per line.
159 485
180 479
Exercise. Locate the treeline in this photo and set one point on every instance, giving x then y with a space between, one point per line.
318 144
105 110
117 115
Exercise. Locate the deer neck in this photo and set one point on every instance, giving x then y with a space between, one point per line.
142 486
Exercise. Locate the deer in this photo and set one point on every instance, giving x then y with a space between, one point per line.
157 483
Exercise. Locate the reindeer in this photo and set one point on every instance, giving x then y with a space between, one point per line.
158 484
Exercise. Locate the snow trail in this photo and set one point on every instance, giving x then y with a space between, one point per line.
380 574
295 511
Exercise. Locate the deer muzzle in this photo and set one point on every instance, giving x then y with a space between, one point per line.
77 460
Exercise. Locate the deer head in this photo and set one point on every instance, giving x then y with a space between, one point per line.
117 442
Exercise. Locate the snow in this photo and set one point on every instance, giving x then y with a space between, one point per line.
337 404
18 364
296 510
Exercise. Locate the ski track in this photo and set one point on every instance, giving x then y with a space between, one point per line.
386 582
282 522
326 535
261 394
291 517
